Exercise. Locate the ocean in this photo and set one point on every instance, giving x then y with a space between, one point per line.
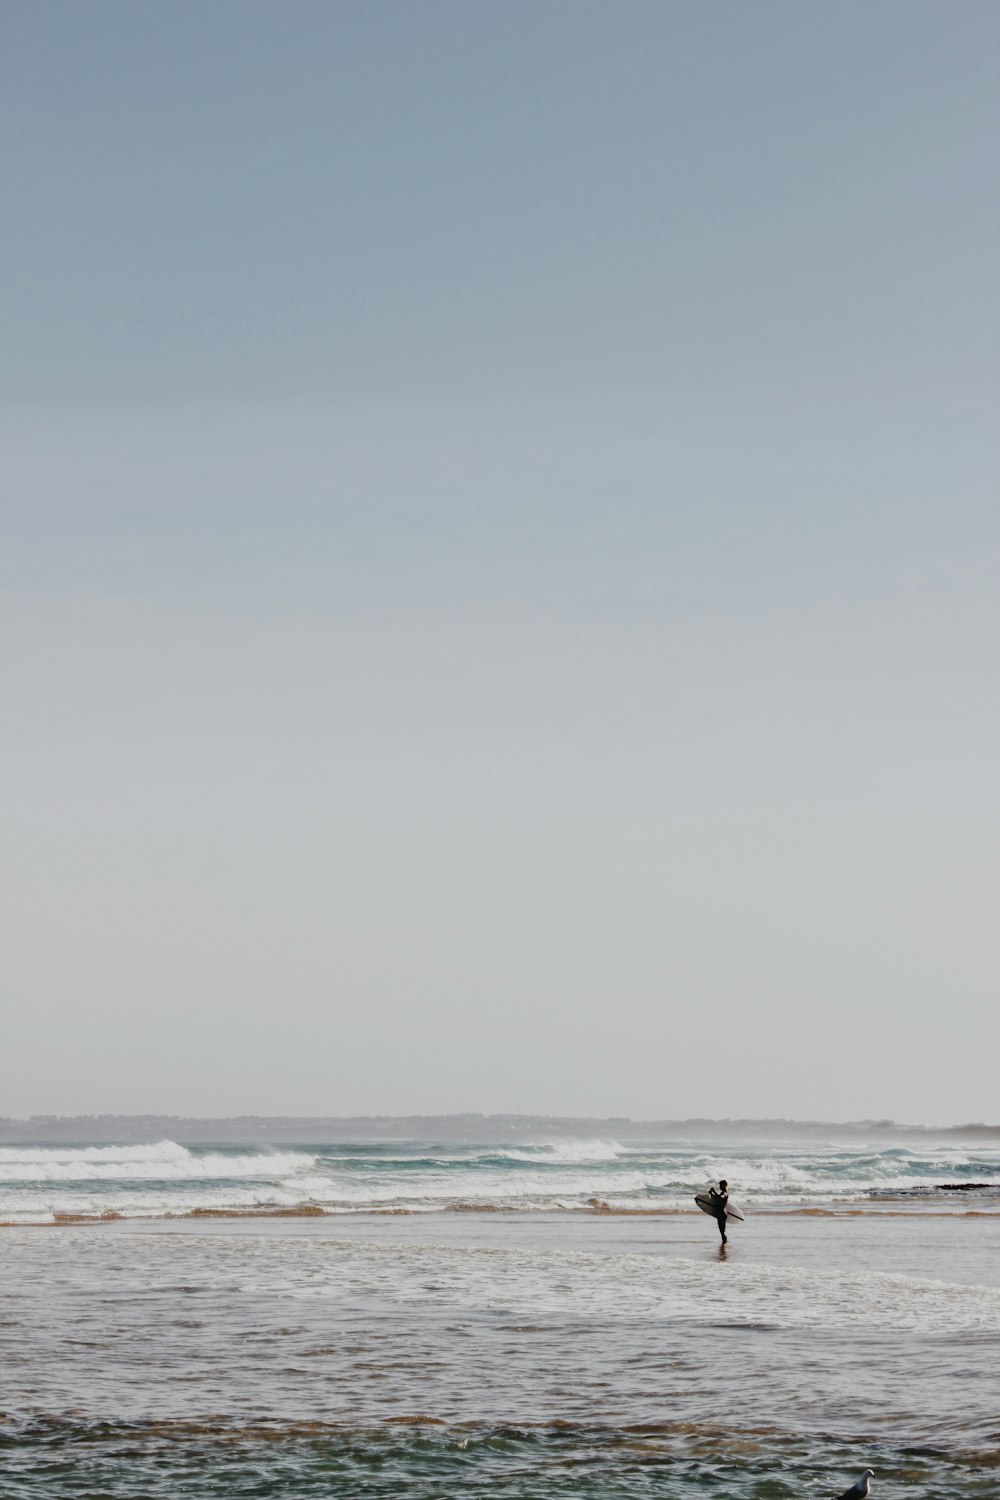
543 1318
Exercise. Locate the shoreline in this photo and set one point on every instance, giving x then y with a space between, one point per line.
314 1211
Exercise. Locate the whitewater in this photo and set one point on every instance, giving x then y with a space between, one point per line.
47 1184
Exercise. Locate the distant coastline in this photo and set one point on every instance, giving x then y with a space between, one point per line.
269 1130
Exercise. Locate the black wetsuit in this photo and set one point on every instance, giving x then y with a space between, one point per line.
719 1201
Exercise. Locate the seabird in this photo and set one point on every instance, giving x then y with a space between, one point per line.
859 1491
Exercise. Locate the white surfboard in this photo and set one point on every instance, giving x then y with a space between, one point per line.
707 1206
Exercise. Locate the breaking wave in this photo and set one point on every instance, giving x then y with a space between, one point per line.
160 1162
161 1178
566 1151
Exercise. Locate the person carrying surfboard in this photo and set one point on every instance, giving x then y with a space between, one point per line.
720 1198
716 1202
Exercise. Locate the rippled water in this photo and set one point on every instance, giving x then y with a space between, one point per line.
515 1355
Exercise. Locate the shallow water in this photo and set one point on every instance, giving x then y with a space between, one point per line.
519 1355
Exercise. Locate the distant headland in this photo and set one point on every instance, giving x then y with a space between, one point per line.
471 1128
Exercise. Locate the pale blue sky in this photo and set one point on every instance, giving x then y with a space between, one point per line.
499 557
385 199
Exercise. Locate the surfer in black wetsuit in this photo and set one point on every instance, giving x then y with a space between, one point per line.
720 1197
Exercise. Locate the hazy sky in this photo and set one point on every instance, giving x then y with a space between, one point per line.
499 557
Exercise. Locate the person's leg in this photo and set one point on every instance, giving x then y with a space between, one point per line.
720 1219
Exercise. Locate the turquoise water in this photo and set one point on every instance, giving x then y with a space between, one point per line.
551 1349
503 1462
163 1177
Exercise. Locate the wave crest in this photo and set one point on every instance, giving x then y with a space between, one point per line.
163 1161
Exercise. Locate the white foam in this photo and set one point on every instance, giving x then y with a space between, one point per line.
165 1177
552 1282
146 1151
164 1161
566 1151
